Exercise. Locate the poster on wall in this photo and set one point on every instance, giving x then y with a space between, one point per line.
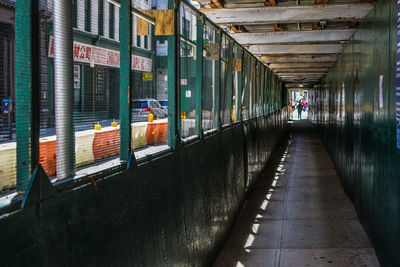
77 76
398 82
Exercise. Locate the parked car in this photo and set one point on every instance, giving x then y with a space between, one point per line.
164 104
141 108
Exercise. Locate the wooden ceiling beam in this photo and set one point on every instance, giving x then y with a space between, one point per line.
290 14
274 66
293 37
293 58
304 70
296 49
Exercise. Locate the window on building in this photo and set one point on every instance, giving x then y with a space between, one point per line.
88 7
146 42
75 13
138 39
111 18
101 17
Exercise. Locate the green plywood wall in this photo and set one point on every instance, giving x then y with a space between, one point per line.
359 130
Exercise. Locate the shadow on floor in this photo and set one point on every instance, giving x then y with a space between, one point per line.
298 213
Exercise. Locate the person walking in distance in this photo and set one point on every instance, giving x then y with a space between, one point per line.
299 110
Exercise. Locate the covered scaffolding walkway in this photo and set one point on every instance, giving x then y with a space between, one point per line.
199 133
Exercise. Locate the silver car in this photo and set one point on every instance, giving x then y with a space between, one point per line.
141 108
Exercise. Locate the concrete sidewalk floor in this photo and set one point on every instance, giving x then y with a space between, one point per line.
298 215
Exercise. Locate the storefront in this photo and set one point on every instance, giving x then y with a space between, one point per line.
7 66
96 81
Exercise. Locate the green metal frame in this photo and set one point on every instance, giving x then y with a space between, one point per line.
199 75
125 79
265 104
173 80
229 80
217 86
23 80
240 87
27 134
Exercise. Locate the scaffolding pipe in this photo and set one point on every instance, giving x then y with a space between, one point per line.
63 87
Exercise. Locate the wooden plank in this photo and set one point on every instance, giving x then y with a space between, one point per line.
270 3
164 21
290 58
293 36
316 26
296 49
302 80
217 4
291 14
297 75
318 70
300 76
238 29
293 85
321 2
273 66
142 27
277 27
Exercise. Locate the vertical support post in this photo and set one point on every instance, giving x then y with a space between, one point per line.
269 91
35 100
199 76
63 88
241 88
125 31
229 80
174 80
50 84
217 86
23 77
82 88
258 86
265 107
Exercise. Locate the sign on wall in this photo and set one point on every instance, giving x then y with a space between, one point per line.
147 76
95 55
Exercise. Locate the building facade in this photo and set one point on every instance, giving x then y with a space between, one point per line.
7 66
96 57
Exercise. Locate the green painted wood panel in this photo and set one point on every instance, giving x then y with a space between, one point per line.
360 127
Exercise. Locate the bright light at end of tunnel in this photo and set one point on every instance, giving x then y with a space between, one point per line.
239 264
